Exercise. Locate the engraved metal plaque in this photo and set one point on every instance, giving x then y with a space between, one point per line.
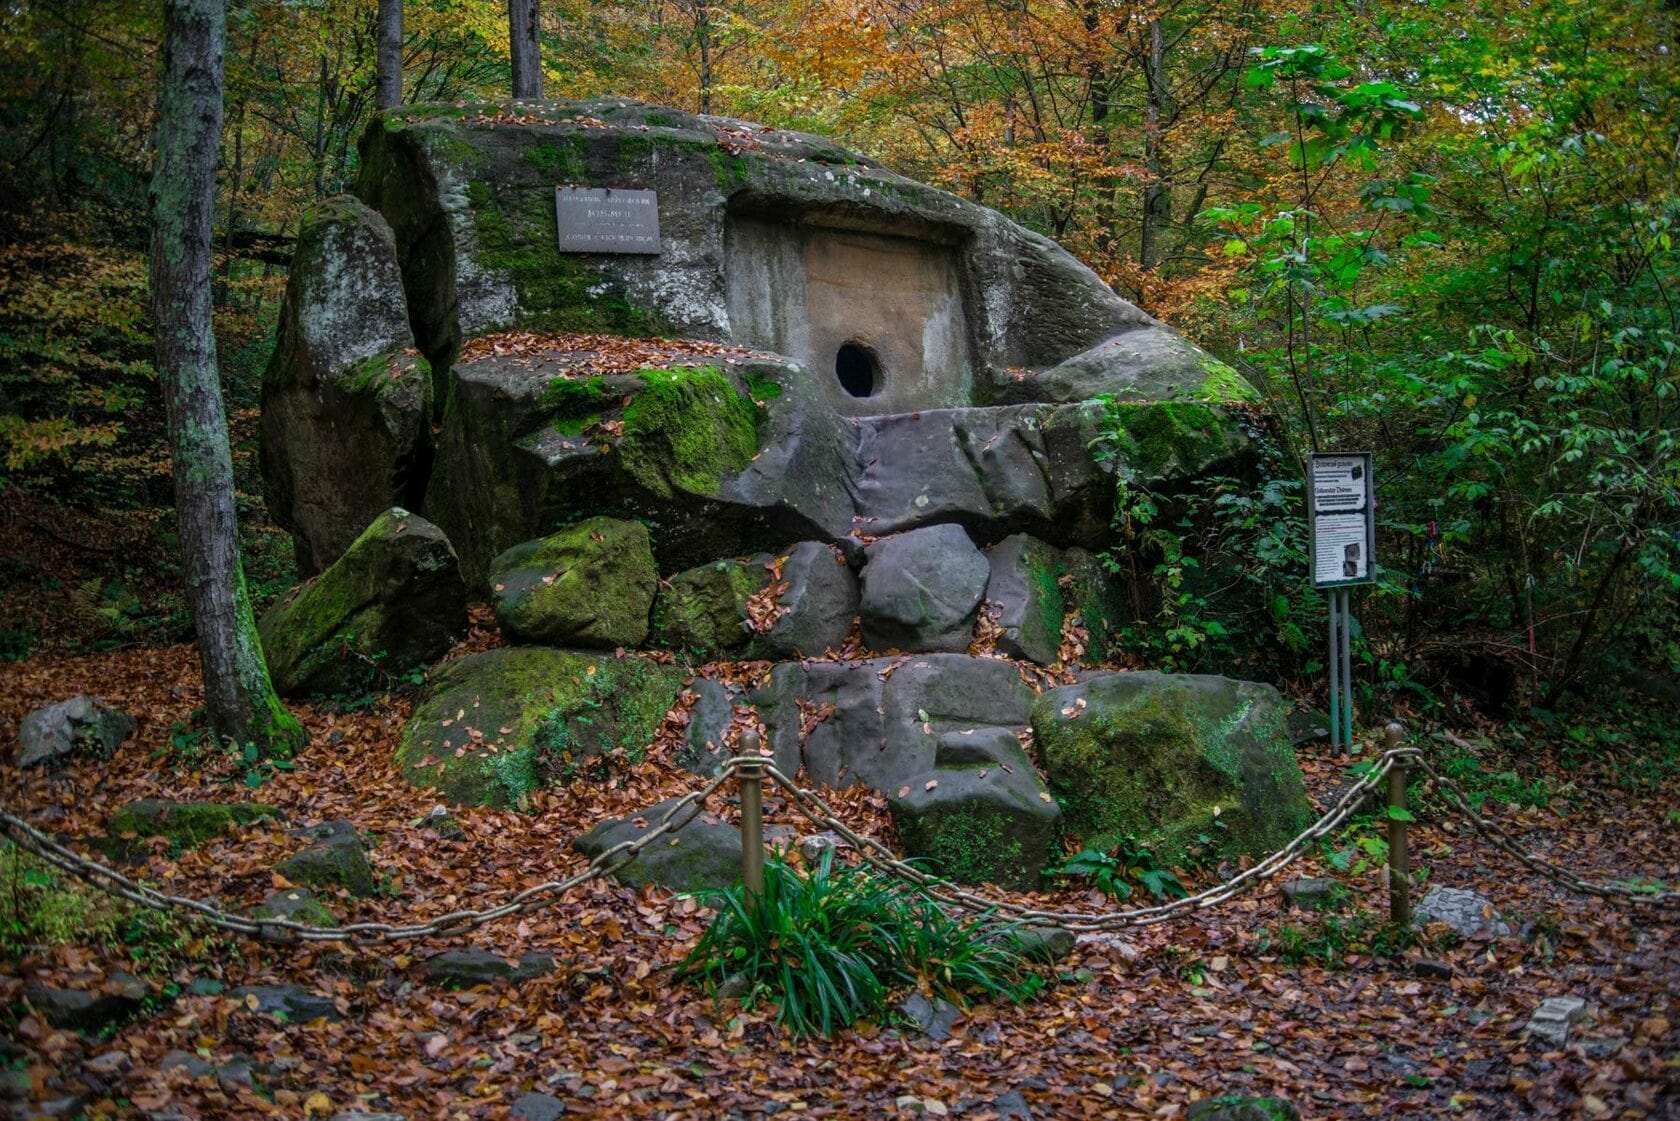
606 220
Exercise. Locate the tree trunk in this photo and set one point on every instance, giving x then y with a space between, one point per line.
389 64
524 51
1156 197
238 695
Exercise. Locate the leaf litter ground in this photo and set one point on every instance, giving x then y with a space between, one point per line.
1138 1025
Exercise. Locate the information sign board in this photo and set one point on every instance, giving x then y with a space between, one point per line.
1341 519
606 220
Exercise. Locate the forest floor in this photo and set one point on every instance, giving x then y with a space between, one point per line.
1246 999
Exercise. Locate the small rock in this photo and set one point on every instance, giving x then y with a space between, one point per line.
363 1115
1432 969
813 846
933 1019
336 859
297 904
1555 1016
444 824
537 1107
1469 915
1045 944
111 1062
734 987
185 824
465 969
233 1075
291 1002
1311 893
195 1066
88 1010
702 852
1235 1107
83 725
66 1107
1012 1106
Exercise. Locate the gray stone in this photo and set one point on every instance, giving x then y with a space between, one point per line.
921 590
337 859
88 1009
1012 1106
1169 758
80 725
392 602
1551 1022
814 847
195 1066
932 1018
1469 914
66 1106
1024 599
818 607
1140 365
705 743
1237 1107
591 584
109 1064
465 969
1312 893
537 1107
1307 726
1433 969
981 814
296 904
292 1003
888 714
1045 944
700 853
364 1115
704 611
346 401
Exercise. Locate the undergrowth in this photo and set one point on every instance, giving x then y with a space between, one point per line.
831 946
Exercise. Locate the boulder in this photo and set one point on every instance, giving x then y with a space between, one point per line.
702 853
81 725
705 741
88 1010
185 824
879 722
817 606
704 611
931 1018
1468 913
336 859
1138 366
591 584
1024 598
466 969
292 1003
1165 759
346 399
297 904
392 602
921 590
491 728
981 814
1311 893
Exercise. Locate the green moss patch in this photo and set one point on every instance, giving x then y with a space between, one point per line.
186 824
687 429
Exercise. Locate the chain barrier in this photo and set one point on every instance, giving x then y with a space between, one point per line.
810 805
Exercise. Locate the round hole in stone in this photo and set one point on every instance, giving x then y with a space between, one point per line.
858 370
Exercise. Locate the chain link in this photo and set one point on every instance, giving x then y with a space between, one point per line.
809 804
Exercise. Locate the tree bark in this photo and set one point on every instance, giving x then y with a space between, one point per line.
388 65
238 695
524 50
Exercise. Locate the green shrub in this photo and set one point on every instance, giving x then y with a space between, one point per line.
1114 871
829 947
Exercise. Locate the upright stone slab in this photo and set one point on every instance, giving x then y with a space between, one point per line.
392 602
346 399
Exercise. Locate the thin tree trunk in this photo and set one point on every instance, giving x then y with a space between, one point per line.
238 695
524 50
389 65
1156 197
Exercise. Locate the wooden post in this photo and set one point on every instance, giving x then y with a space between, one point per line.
751 778
1399 863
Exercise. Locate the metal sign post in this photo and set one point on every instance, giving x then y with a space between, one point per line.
1342 537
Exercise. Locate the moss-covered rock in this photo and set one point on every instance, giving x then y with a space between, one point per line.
591 584
297 904
704 610
395 600
186 824
686 430
346 399
1242 1107
982 815
336 859
1168 758
493 727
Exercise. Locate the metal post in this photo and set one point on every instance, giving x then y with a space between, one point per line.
1335 678
1347 671
751 778
1399 860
